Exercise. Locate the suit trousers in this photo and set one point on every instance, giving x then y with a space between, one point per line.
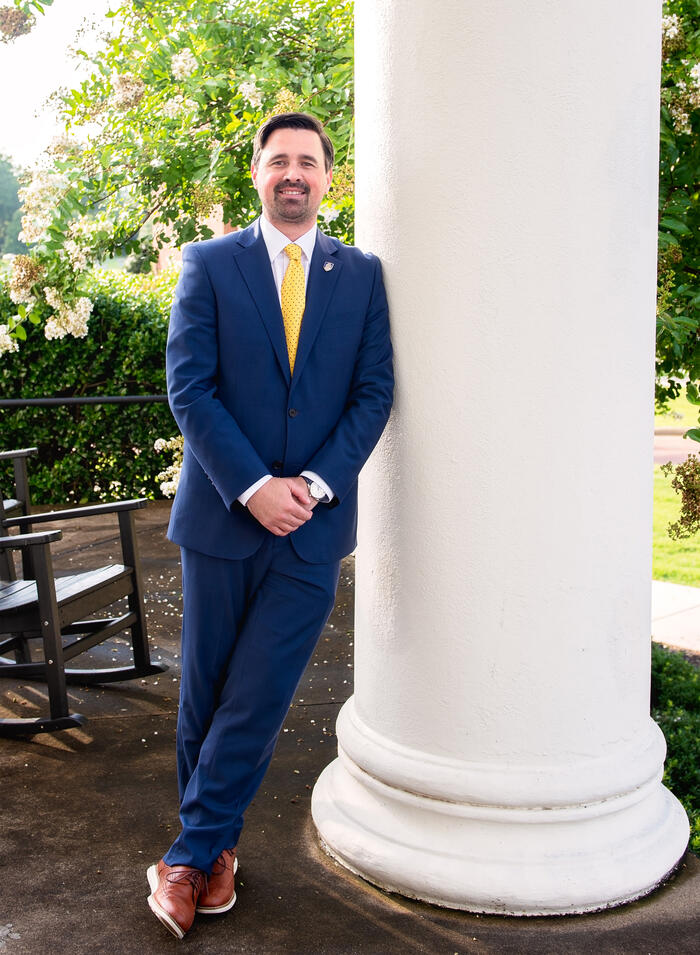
249 629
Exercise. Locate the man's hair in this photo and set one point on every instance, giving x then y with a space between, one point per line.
292 121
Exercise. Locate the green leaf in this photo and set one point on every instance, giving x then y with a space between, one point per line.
20 333
693 434
692 394
666 240
675 225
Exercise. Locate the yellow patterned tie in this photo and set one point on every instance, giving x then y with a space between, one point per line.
293 300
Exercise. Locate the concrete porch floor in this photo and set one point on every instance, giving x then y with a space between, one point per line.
83 812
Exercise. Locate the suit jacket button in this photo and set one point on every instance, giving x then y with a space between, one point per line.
293 412
276 465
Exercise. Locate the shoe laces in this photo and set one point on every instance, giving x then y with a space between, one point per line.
224 862
193 876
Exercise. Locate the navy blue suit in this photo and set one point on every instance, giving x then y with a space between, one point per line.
255 604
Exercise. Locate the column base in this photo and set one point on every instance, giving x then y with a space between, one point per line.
499 860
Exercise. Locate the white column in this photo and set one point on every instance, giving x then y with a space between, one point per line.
498 753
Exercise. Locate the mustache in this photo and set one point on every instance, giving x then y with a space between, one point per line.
296 185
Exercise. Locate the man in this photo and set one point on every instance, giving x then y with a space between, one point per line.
280 379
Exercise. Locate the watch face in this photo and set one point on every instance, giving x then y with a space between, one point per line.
316 491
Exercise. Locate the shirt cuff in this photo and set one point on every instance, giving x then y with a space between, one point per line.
321 483
249 492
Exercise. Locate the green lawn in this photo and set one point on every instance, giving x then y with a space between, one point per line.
677 561
681 414
674 560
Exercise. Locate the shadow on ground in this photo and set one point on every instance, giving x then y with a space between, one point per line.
83 812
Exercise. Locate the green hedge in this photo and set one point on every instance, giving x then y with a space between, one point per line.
675 705
93 452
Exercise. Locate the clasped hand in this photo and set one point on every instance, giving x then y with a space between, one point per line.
282 504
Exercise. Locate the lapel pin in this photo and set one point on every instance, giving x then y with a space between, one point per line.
327 266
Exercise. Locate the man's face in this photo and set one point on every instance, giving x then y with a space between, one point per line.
291 179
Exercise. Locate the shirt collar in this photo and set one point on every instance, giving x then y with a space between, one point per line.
275 241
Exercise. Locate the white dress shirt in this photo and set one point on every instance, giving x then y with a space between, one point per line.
275 242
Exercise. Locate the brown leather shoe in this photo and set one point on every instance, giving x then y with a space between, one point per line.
174 893
219 894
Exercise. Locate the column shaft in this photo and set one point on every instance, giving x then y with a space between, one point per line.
498 753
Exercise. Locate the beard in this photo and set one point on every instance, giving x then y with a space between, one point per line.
294 209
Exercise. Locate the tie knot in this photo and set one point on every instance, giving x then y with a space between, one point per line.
293 252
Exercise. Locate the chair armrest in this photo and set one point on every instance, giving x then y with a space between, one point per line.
21 453
17 541
91 510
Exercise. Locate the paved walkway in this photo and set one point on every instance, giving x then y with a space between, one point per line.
675 612
670 445
82 813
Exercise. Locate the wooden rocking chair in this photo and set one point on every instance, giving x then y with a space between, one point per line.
54 610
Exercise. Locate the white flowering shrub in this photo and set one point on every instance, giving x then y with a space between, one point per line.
7 343
678 311
161 134
183 64
92 451
170 477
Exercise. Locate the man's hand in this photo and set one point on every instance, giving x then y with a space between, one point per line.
300 490
281 505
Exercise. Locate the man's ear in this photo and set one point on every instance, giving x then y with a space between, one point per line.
253 173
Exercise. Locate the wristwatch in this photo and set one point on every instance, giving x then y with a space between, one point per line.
315 490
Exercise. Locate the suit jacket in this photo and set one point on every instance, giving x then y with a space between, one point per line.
244 416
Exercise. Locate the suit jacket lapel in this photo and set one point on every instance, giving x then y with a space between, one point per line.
324 270
254 264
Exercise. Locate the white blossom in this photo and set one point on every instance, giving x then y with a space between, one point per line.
177 105
39 200
25 271
69 320
20 297
251 94
670 26
695 74
76 255
53 329
329 213
128 90
7 343
681 119
84 228
183 64
61 145
32 229
170 477
52 297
